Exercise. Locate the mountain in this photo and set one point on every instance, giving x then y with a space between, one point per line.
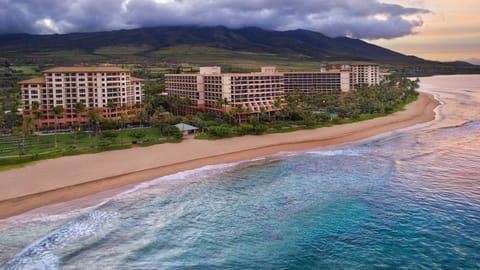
303 42
240 48
473 61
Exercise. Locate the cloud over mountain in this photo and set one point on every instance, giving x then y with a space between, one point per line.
369 19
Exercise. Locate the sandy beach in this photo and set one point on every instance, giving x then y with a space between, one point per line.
68 178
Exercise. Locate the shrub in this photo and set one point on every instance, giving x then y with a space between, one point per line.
260 129
245 129
222 131
172 131
324 116
356 117
104 144
108 134
137 133
108 124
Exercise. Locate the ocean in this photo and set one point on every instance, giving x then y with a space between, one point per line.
409 199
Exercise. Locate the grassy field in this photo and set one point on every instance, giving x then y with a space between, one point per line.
163 60
208 56
122 50
190 57
15 151
31 70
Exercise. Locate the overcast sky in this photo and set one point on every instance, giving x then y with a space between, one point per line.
363 19
372 20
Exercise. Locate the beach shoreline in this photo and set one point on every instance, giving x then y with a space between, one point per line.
68 178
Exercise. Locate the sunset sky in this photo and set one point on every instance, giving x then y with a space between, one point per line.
451 31
433 29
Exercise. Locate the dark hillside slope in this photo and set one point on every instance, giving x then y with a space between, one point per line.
296 42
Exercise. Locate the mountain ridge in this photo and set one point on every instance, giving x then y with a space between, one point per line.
299 41
243 49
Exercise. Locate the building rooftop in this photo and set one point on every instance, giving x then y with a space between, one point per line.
185 127
135 79
86 69
352 63
334 71
217 71
228 74
33 80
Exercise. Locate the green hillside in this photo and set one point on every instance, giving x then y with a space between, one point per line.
236 49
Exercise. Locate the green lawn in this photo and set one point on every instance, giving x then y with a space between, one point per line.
16 151
31 70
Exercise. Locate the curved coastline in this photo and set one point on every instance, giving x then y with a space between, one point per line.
68 178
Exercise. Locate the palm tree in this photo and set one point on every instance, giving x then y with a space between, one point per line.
221 102
94 117
111 105
158 119
149 109
26 129
37 115
123 120
235 113
57 112
263 116
141 116
175 103
29 125
35 107
78 108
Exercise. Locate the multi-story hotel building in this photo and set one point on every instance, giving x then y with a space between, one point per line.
255 92
311 83
364 74
211 89
361 73
110 89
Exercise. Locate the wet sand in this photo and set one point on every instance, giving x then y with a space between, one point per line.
68 178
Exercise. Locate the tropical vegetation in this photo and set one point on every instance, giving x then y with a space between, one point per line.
153 122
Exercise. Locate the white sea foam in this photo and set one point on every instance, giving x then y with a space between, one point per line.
337 152
45 216
176 178
284 154
41 254
189 175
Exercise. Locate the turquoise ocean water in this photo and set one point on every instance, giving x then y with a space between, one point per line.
409 199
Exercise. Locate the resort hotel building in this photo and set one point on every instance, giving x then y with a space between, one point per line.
113 92
212 90
109 89
361 73
312 83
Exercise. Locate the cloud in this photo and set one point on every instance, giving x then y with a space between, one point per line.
369 19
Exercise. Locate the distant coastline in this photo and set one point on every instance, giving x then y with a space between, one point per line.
68 178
